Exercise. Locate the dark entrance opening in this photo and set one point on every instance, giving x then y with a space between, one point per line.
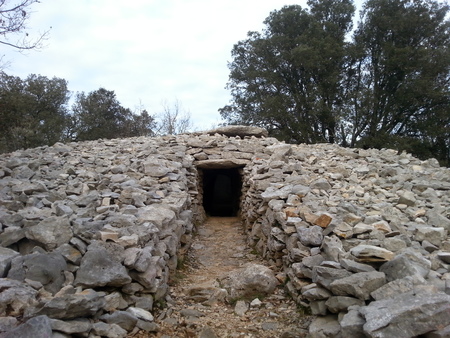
221 191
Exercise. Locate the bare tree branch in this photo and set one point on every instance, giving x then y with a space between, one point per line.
13 18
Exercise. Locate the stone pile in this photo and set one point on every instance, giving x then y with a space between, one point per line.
362 237
91 232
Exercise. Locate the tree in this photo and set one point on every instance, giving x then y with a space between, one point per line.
287 79
399 77
99 115
14 15
174 119
33 112
306 79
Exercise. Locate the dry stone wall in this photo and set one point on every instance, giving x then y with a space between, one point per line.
91 232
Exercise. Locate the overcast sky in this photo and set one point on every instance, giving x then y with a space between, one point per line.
147 51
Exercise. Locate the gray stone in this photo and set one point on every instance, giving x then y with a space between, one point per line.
124 319
359 284
318 308
108 330
241 308
433 235
276 192
11 235
207 332
310 236
16 297
74 326
6 256
407 198
46 268
241 131
7 324
141 314
160 215
444 256
51 232
69 306
353 266
338 304
408 263
325 276
371 253
352 324
250 281
191 313
327 326
98 268
332 248
321 184
394 288
314 292
37 327
406 315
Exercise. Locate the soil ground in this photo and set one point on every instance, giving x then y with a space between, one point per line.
220 247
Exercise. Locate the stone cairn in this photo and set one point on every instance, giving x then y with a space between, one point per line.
90 232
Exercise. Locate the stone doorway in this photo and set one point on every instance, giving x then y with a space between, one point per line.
222 190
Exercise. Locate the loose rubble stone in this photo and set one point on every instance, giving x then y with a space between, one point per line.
119 214
370 253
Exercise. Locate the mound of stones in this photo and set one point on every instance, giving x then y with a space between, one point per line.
91 232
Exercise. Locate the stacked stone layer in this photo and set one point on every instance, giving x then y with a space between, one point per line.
91 232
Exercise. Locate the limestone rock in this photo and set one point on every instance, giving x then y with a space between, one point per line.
352 323
45 268
370 253
310 236
75 326
69 306
250 281
241 131
325 275
36 327
406 315
327 326
6 256
16 297
408 263
98 269
51 232
359 285
125 319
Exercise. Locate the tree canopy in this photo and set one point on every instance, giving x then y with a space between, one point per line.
38 111
307 77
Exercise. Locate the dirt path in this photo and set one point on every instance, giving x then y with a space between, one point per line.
198 308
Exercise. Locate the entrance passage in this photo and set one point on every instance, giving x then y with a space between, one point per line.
221 191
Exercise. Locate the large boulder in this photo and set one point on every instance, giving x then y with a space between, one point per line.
251 281
100 268
51 232
407 315
45 268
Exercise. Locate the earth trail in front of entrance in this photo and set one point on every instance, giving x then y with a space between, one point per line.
197 307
